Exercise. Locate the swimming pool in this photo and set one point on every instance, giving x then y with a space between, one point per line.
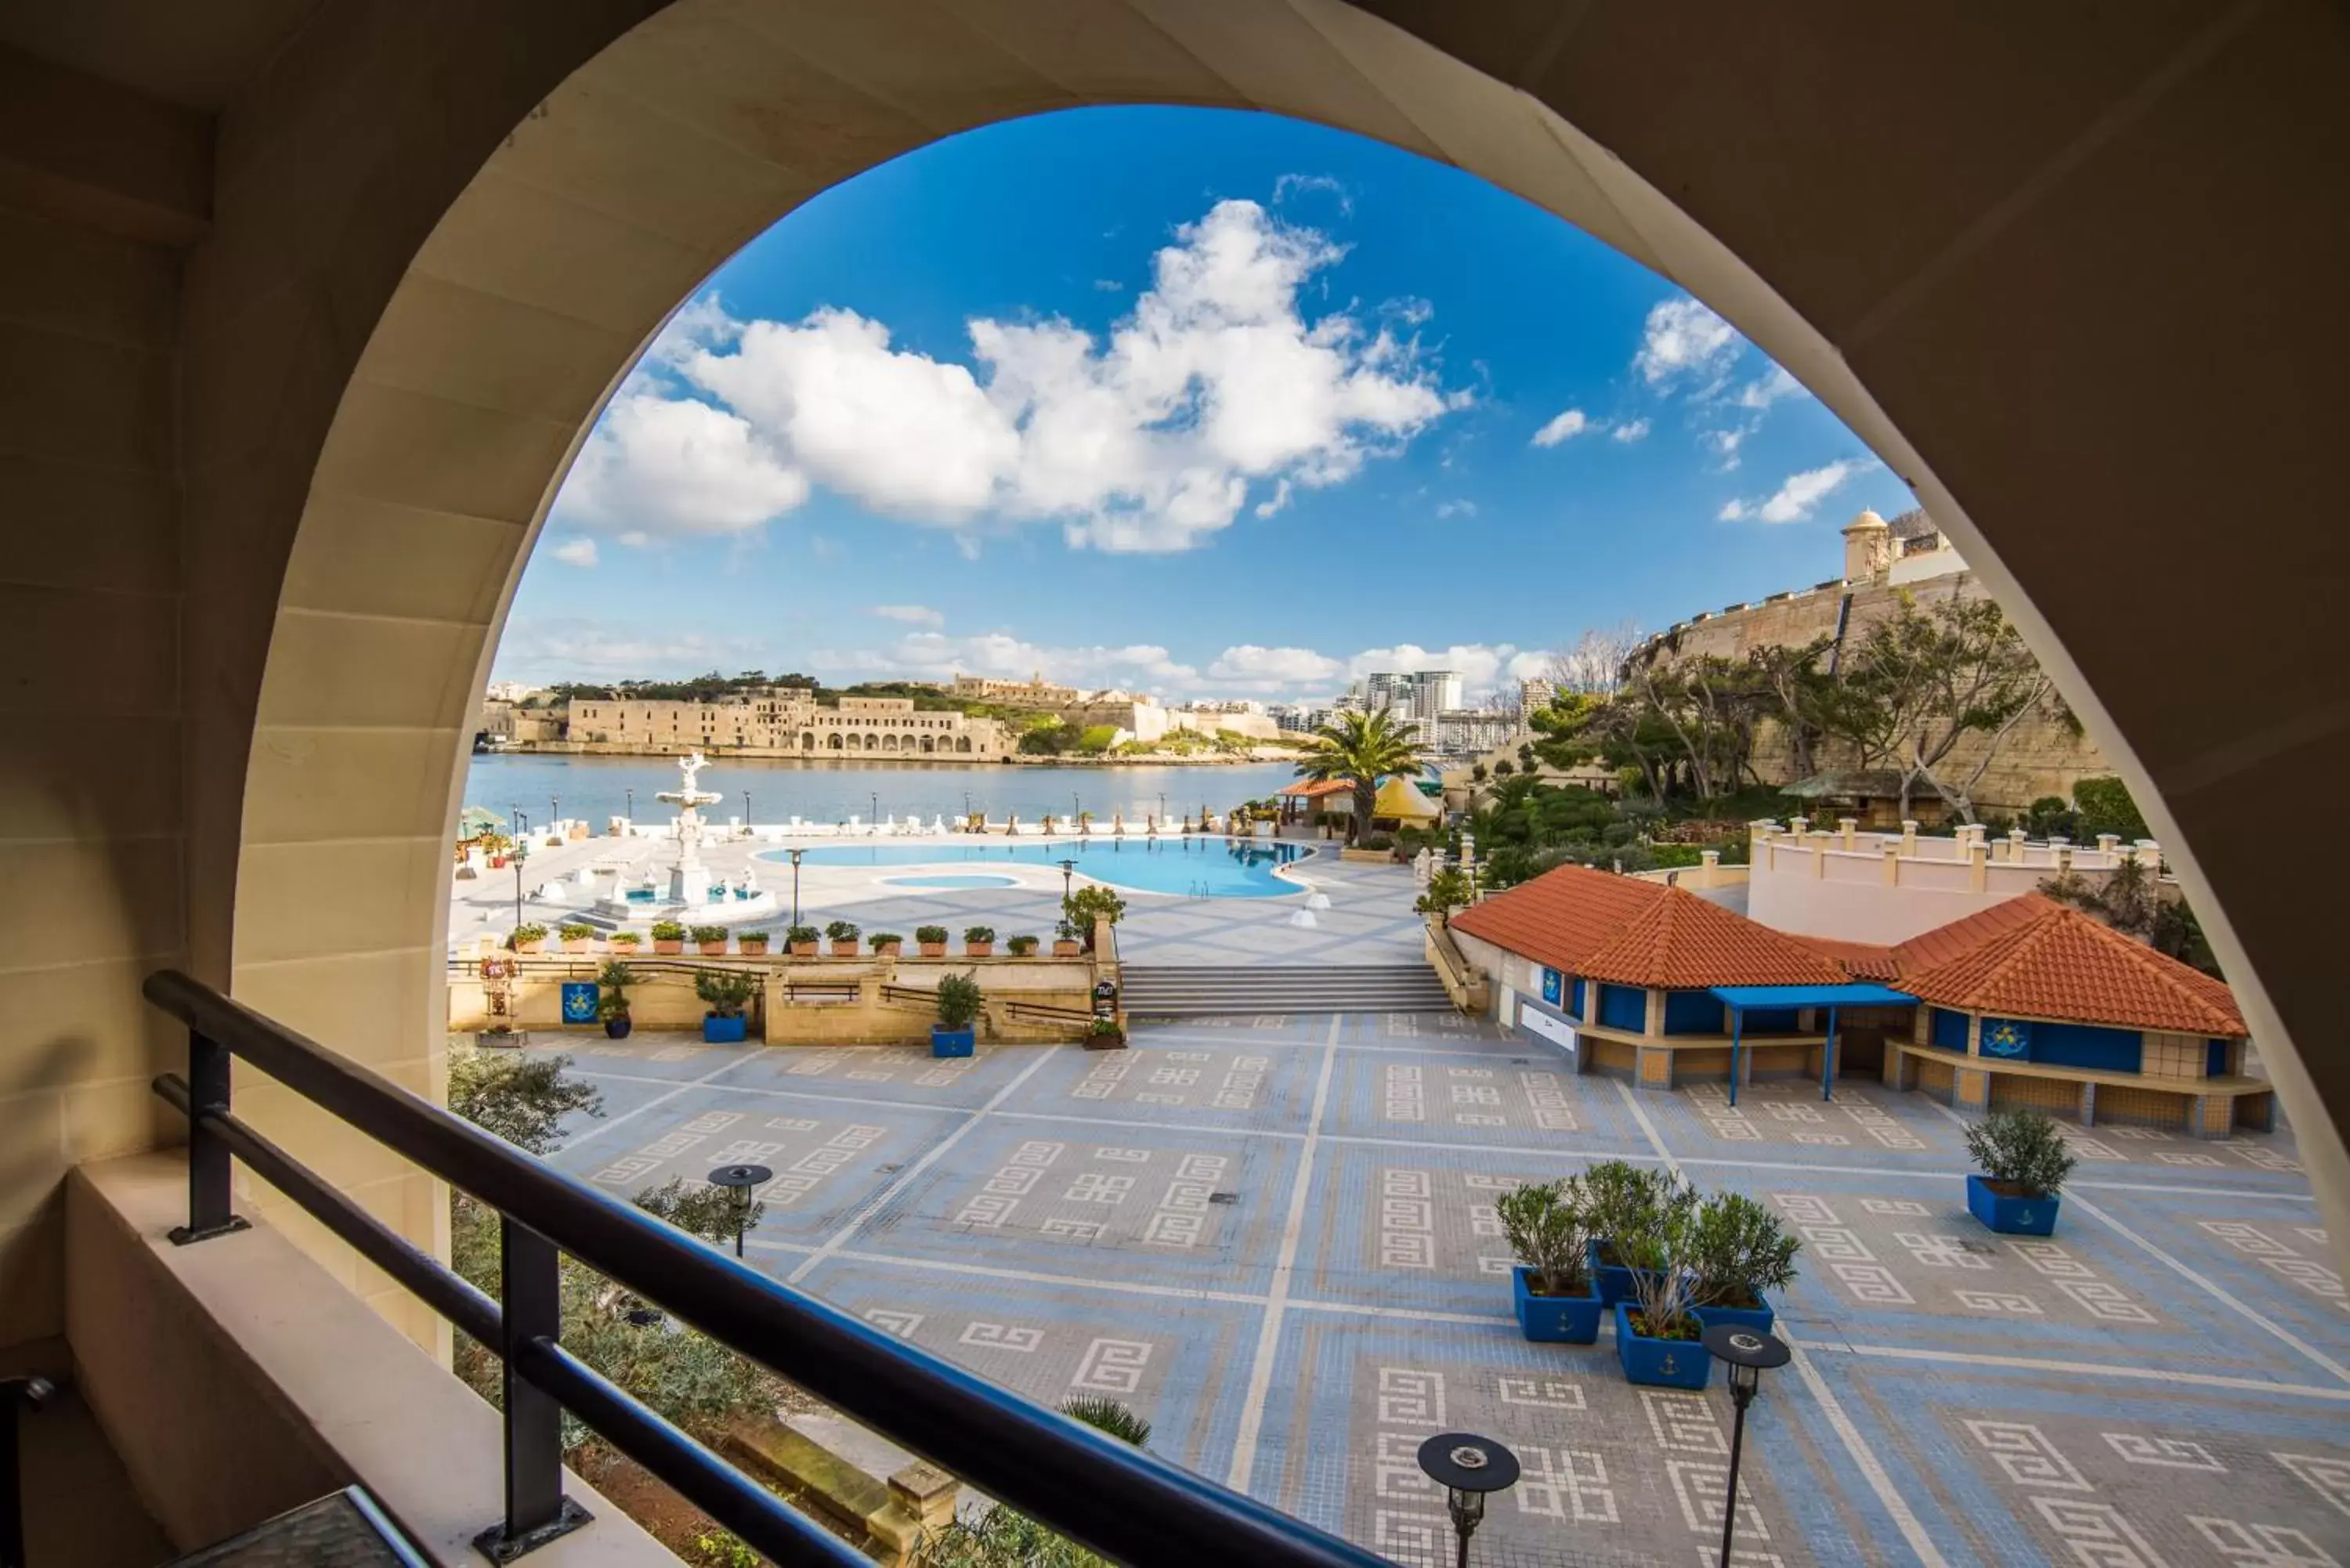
1193 868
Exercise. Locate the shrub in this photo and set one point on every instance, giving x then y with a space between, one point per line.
1546 1225
612 989
958 1001
709 933
1378 841
1084 906
1107 1415
667 931
979 934
877 940
1739 1250
841 931
629 940
1447 890
749 940
2023 1149
800 934
2104 805
1660 1249
1064 930
935 936
1617 1195
1022 946
725 992
575 931
526 934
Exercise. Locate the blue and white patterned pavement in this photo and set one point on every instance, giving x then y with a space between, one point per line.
1276 1238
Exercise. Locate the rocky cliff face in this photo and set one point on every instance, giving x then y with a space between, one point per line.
2041 756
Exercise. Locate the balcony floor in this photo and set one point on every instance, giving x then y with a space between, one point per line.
79 1510
1274 1237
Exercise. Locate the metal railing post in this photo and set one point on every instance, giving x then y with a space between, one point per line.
208 1156
530 1283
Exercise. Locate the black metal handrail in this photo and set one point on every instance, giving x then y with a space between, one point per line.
1114 1499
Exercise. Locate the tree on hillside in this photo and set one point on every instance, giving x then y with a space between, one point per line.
1593 665
1794 680
1922 680
1359 750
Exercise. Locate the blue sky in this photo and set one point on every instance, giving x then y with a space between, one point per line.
1193 401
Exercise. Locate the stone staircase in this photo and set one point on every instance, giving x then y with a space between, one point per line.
1175 991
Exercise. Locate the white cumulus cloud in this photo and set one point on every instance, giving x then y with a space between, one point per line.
934 656
1629 432
1215 387
1684 343
1799 496
1563 426
1461 508
918 615
1250 668
576 552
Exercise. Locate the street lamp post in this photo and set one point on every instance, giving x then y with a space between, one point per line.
747 811
874 797
1467 1467
1068 870
521 852
795 885
741 1180
553 810
632 806
1747 1355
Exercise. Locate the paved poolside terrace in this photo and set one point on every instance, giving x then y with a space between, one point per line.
1369 919
1276 1238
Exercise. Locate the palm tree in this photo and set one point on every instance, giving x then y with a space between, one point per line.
1359 750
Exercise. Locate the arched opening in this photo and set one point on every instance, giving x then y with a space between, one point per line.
927 744
963 744
495 345
889 743
808 741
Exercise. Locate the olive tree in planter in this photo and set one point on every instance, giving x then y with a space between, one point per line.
801 940
1656 1328
884 944
1618 1196
844 936
1086 908
2024 1164
709 940
612 998
1023 947
725 993
1548 1227
979 941
576 936
1741 1249
669 937
954 1033
931 940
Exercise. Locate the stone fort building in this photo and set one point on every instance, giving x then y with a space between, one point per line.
2043 756
786 721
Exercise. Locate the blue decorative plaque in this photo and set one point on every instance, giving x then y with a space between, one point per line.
1551 984
578 1001
2007 1037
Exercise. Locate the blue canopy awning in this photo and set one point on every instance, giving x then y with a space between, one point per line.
1858 993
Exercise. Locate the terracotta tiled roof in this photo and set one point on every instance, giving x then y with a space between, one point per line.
2034 958
1861 960
1310 789
1627 931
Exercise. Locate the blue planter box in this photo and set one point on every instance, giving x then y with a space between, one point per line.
1614 1280
1659 1363
2020 1216
717 1030
1556 1320
1758 1318
952 1042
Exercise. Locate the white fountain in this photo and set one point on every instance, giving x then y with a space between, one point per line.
691 891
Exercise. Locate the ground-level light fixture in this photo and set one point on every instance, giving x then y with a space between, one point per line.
632 802
1746 1354
1467 1467
796 854
741 1180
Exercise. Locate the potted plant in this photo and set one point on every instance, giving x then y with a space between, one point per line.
612 998
753 944
1023 947
2024 1164
1740 1251
1065 941
1104 1035
576 936
725 993
1656 1329
844 935
709 940
1548 1226
1618 1196
1086 909
979 941
931 940
884 944
669 937
527 939
801 940
954 1034
625 943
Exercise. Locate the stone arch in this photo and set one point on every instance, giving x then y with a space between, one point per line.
963 744
478 267
871 742
808 741
890 741
834 740
927 745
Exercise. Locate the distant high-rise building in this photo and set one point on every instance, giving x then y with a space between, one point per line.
1385 689
1536 694
1433 691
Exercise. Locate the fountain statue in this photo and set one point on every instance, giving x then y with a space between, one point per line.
689 880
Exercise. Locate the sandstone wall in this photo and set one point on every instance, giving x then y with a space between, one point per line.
2039 757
